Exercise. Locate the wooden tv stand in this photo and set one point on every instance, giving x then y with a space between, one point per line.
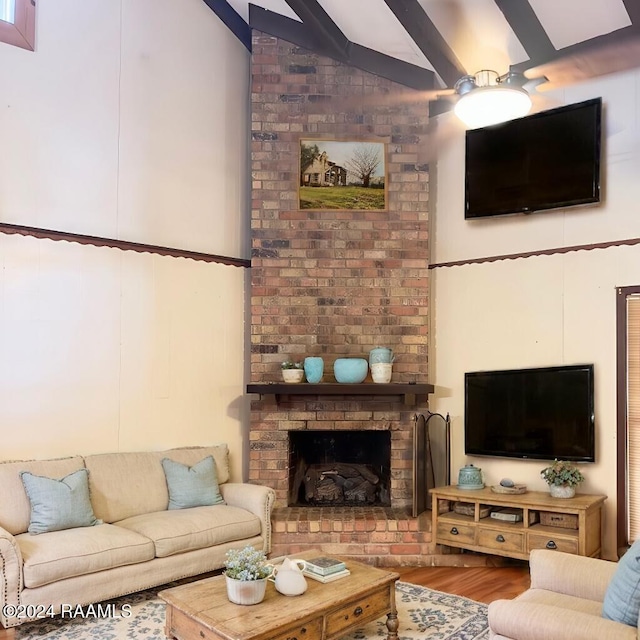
517 539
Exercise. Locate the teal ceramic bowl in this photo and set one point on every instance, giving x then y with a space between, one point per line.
350 370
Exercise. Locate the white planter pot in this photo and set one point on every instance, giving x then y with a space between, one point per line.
246 591
293 375
561 491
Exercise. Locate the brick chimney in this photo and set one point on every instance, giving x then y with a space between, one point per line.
334 283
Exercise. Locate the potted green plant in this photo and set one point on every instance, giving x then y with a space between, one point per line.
246 573
292 371
562 478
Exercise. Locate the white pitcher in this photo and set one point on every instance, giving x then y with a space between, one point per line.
288 577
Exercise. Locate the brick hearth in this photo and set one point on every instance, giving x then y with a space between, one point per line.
390 536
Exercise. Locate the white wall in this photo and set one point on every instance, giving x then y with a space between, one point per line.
544 310
129 121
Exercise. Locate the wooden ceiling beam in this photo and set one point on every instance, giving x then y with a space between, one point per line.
528 29
429 40
325 30
232 20
633 9
404 73
608 53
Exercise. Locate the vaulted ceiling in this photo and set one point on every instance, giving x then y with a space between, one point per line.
429 44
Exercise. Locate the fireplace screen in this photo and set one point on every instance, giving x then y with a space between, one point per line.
336 468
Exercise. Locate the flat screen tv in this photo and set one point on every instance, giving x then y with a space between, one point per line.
547 160
541 414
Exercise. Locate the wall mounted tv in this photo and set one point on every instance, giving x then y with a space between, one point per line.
541 414
547 160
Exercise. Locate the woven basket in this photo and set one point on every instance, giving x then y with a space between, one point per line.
562 520
469 509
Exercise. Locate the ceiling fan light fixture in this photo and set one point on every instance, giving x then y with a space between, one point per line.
485 101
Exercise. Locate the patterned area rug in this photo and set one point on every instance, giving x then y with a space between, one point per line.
422 613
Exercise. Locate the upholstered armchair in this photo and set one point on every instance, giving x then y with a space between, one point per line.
565 601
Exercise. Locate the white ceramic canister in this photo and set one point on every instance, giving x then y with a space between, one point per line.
381 372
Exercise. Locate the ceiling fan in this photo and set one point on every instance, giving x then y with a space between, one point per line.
547 67
476 98
480 99
486 98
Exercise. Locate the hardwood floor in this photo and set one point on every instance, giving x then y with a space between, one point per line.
482 584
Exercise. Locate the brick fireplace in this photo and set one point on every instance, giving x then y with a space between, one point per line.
339 468
337 283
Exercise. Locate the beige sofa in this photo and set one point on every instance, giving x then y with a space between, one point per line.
564 602
140 544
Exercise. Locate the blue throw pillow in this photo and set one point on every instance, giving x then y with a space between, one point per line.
195 486
622 598
59 504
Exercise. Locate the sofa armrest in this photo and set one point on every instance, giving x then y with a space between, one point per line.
10 576
570 574
255 498
533 621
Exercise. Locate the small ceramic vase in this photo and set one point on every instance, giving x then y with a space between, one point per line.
313 369
561 491
293 375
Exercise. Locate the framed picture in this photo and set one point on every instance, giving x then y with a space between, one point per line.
337 174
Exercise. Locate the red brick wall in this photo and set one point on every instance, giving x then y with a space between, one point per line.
334 283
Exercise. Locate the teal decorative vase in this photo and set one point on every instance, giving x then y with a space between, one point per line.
313 369
350 370
381 354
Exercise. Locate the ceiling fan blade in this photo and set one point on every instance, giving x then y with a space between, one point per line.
395 99
442 104
541 102
588 63
530 85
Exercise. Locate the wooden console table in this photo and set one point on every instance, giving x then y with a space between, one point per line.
517 539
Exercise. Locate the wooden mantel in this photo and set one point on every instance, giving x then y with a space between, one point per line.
406 390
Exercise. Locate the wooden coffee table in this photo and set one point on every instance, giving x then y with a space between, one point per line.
201 610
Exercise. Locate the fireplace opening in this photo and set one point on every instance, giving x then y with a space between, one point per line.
339 468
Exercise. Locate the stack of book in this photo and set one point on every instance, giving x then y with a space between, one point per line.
324 569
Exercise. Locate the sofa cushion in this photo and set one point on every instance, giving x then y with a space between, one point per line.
195 486
183 530
622 598
15 510
191 455
54 556
562 600
124 485
59 504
